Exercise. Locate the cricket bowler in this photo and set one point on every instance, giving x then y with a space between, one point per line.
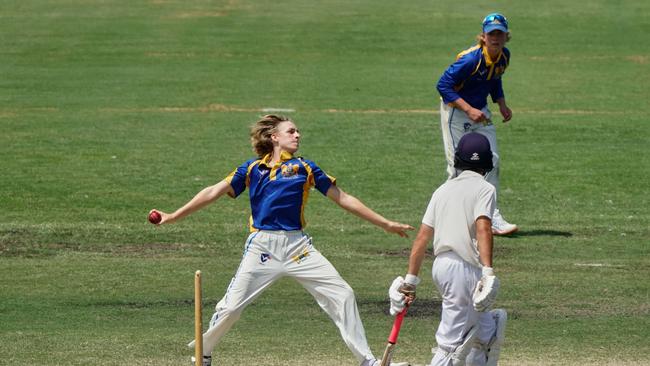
279 183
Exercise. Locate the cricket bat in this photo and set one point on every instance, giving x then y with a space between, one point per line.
392 338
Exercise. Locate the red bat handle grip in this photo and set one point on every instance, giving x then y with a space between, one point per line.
397 324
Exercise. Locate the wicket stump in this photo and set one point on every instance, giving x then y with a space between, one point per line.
198 319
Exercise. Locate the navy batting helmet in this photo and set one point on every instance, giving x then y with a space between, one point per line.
473 152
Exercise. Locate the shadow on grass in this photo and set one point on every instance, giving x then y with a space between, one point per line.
404 252
524 233
421 308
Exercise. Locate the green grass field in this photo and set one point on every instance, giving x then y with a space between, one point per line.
111 108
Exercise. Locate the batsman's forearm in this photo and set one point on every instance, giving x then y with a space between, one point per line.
418 250
416 258
485 240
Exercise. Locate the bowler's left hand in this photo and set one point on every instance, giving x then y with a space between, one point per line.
398 228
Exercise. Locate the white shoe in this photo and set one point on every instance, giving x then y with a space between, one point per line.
207 361
500 226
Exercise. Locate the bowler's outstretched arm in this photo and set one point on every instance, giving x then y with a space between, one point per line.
205 197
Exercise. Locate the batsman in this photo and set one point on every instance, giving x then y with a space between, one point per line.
459 219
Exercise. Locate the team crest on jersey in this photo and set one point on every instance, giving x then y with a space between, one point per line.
467 126
265 257
290 170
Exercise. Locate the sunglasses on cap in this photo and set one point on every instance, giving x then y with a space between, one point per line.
495 21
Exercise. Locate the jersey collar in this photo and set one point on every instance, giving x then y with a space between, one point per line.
284 156
469 173
488 59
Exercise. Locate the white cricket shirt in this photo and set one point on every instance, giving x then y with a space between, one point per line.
452 213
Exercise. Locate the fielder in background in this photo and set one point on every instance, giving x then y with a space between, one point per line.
279 183
458 219
464 88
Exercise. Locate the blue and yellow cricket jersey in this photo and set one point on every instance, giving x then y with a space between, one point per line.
278 194
474 76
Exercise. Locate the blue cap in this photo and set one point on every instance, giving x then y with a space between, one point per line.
495 21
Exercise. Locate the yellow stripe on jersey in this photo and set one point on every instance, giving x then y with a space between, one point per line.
251 228
248 173
471 49
231 175
478 65
305 191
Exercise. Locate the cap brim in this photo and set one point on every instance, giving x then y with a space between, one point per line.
492 27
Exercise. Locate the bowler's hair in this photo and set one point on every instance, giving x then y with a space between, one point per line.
479 39
261 133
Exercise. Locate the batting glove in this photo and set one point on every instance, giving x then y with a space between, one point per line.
408 287
397 299
486 290
401 291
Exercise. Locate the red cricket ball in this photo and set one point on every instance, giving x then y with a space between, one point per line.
154 217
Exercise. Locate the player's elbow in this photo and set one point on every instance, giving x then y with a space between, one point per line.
442 90
484 227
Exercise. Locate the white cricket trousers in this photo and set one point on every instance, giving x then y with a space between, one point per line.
456 280
271 255
454 124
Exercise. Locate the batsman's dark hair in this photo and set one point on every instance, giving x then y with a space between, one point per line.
261 133
460 165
